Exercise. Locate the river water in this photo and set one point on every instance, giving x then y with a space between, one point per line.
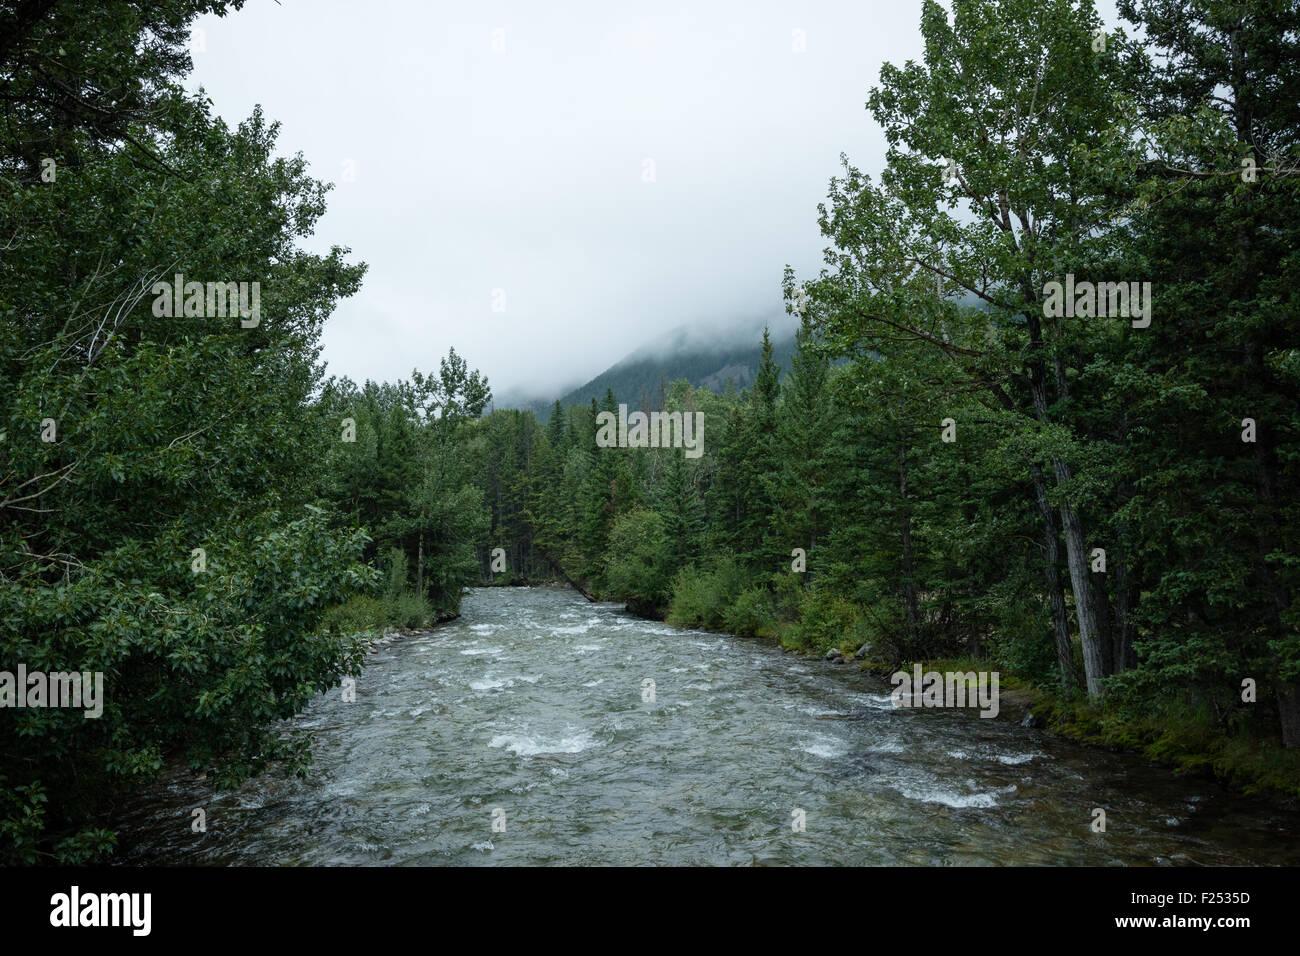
527 713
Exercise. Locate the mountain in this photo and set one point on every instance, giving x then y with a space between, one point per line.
705 359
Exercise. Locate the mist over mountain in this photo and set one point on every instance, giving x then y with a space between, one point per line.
705 356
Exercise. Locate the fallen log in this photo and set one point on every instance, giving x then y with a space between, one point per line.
568 580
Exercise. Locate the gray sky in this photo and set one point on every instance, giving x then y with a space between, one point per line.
523 169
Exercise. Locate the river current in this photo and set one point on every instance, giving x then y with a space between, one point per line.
524 733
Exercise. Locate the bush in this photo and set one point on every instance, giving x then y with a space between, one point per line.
202 666
361 614
396 574
638 561
827 620
688 604
787 593
1022 641
751 611
367 614
703 598
407 610
882 625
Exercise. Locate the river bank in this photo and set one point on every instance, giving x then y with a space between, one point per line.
1179 741
588 736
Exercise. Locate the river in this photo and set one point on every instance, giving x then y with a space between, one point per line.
527 714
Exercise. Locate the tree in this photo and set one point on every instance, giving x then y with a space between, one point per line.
1012 119
166 536
1220 201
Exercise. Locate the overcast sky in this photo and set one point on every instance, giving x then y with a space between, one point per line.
503 146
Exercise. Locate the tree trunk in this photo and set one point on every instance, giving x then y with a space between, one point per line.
1094 666
910 604
1052 573
1288 711
1105 630
1094 661
572 583
1122 656
1093 632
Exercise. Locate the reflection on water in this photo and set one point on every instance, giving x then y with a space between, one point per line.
531 704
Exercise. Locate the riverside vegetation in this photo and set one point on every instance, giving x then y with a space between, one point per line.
181 508
1103 508
191 507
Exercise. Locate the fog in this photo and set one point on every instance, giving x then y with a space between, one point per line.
548 190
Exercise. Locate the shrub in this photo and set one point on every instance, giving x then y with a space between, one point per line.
638 562
702 598
787 592
203 666
827 620
751 611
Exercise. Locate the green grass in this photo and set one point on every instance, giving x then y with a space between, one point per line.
364 613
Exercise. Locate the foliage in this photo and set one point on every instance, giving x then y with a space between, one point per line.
949 456
177 510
